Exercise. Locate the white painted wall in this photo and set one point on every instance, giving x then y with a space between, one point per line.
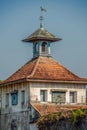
32 90
36 87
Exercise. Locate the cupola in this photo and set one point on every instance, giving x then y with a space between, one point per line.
41 40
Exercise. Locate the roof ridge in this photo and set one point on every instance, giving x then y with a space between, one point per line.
33 71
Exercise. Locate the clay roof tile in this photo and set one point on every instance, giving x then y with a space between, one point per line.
44 68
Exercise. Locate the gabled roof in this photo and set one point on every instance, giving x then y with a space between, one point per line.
41 34
44 69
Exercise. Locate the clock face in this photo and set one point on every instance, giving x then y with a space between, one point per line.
14 98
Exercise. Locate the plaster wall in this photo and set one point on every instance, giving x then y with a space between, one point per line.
17 120
32 93
78 88
9 89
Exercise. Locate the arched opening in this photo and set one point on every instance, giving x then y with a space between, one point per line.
44 46
36 47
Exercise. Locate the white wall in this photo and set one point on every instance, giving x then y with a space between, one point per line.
32 90
36 87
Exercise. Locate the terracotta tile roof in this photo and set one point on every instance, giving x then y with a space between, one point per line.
23 72
53 108
41 34
44 68
44 109
48 68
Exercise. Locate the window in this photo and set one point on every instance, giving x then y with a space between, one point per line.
43 95
22 97
36 47
44 46
7 99
58 97
14 98
72 97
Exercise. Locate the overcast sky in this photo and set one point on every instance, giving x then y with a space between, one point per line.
67 19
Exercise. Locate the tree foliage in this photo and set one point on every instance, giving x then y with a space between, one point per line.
60 118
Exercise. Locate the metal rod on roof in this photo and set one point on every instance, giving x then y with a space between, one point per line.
41 16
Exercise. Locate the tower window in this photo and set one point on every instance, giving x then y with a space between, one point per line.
36 47
44 46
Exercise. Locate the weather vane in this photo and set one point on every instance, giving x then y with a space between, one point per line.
41 16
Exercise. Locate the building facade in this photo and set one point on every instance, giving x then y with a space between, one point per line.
38 86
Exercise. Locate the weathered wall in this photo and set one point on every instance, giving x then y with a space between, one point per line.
9 89
0 121
17 121
32 91
36 87
0 106
0 96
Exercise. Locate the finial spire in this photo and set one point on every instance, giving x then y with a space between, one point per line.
41 19
41 16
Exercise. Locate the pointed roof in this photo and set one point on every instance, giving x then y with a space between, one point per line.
44 69
41 34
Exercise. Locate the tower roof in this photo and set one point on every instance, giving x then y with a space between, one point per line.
41 35
44 69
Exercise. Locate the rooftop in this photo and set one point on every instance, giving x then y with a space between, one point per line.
53 108
41 34
44 69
